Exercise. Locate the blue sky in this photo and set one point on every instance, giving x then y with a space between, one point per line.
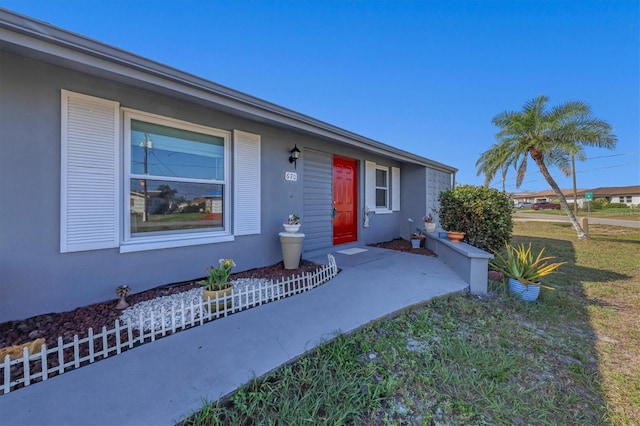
423 76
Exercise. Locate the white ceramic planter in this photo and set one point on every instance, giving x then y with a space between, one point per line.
291 249
291 228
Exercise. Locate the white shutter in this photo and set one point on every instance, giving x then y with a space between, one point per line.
395 189
89 217
370 185
246 183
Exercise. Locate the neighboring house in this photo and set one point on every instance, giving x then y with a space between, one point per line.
542 196
629 195
97 132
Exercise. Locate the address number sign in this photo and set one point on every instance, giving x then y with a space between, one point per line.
291 176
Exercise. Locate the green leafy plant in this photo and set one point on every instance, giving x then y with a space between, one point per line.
599 203
293 219
519 263
218 278
482 213
616 206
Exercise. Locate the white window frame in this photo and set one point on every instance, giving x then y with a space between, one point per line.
392 188
172 239
386 208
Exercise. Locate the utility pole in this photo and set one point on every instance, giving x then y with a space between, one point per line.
147 146
575 191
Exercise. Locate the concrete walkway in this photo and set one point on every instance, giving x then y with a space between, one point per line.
162 382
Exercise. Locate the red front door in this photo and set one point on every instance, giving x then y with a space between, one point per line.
345 200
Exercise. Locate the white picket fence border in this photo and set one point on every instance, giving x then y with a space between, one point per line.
41 365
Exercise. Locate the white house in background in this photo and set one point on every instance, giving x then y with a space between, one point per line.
629 195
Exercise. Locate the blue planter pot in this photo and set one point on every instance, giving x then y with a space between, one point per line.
443 235
528 293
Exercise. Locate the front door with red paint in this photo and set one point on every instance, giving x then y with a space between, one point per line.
345 200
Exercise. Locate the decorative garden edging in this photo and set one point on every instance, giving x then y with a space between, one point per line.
50 362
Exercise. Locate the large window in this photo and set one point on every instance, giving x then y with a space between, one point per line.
177 176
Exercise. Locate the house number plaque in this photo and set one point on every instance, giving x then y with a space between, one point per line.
291 176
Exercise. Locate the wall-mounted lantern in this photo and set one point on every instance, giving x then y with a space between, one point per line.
295 154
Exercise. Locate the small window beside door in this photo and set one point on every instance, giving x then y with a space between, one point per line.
382 187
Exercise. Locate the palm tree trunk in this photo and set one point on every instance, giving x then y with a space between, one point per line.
575 189
538 158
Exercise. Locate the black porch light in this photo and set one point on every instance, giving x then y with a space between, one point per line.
295 154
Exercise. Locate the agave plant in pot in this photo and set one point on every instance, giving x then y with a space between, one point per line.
524 269
217 286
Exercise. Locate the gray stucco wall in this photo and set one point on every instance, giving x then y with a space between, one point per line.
36 278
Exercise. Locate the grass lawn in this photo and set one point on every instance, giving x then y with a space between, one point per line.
623 214
572 357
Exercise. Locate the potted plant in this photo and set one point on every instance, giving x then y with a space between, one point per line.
291 242
524 269
216 285
417 240
429 224
455 236
292 224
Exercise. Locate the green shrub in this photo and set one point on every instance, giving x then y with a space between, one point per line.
617 206
483 214
580 209
599 203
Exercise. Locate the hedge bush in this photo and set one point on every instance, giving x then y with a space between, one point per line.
616 206
599 203
483 214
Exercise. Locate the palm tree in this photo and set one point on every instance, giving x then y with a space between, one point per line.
568 168
548 137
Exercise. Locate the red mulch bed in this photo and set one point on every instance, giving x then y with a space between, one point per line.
78 321
403 245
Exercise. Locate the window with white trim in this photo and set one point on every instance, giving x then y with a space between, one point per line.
382 187
176 178
140 181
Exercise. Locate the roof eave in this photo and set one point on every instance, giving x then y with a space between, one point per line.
39 36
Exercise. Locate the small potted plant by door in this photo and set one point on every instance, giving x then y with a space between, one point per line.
291 242
217 285
292 224
417 240
524 270
429 224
